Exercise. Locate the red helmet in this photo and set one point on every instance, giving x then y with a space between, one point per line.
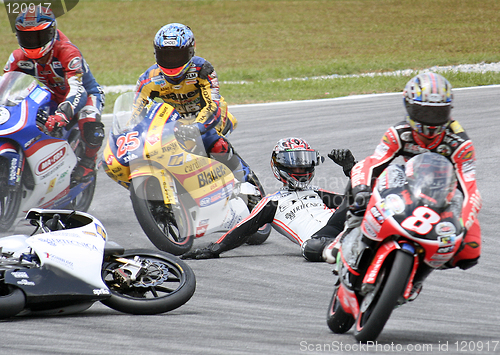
36 31
293 162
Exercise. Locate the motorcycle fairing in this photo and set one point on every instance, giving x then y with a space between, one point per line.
348 300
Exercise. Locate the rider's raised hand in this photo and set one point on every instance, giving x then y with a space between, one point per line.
344 158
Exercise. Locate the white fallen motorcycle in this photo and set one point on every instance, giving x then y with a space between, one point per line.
67 265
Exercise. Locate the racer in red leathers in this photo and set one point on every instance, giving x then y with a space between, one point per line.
47 54
428 127
189 83
308 216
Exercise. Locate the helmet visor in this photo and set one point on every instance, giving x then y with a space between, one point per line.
35 39
431 115
172 58
297 159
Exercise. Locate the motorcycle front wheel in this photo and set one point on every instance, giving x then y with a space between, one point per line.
372 317
82 201
166 226
10 198
164 283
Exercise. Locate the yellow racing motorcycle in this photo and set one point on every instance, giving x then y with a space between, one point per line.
178 192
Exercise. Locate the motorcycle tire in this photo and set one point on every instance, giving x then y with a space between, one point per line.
168 283
10 198
371 321
83 201
12 302
157 220
338 320
262 234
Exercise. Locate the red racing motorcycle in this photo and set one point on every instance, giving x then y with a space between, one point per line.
411 227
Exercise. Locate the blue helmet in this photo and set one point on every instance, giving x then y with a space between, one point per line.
174 49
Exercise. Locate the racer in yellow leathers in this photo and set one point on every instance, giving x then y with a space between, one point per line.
189 83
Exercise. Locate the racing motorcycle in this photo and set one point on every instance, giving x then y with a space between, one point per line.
68 264
35 168
411 227
178 193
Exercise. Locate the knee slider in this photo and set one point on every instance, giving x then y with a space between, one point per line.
312 249
93 133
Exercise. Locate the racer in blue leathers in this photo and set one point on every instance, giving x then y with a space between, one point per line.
189 83
47 54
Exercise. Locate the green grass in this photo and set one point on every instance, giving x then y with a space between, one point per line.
263 42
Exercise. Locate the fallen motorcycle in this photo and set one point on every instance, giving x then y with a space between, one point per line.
178 193
411 227
35 168
67 265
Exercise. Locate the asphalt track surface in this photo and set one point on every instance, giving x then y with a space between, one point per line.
267 299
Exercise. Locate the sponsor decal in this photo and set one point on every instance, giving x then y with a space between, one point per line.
20 275
395 203
100 291
456 127
75 63
443 149
213 175
26 65
445 228
50 161
169 42
25 282
201 228
406 136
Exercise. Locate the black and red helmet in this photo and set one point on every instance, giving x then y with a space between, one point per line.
293 162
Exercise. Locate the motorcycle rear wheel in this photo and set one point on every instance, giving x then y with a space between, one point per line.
338 320
262 234
167 230
12 301
167 284
371 321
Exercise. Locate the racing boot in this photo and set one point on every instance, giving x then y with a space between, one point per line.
84 170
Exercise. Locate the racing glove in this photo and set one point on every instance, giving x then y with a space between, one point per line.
361 196
211 251
57 120
344 158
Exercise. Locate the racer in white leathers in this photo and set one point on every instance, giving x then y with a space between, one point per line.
308 216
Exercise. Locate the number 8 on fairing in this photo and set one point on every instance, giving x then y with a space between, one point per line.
421 221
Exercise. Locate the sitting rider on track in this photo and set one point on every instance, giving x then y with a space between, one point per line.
48 55
308 216
189 83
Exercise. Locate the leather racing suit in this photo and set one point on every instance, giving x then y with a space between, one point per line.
454 144
197 98
74 88
299 215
